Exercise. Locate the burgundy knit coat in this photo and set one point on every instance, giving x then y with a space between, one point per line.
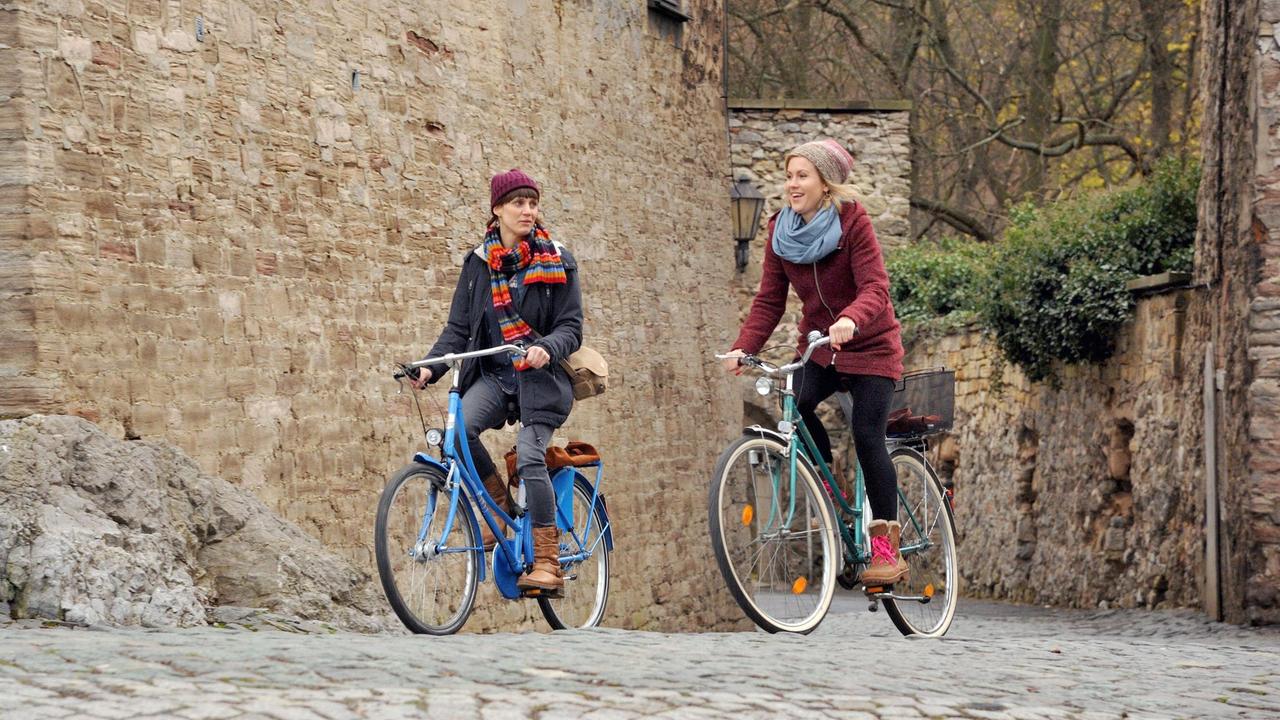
850 282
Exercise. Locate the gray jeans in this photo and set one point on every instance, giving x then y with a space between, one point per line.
484 407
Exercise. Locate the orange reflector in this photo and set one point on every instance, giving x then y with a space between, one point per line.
747 514
928 590
799 585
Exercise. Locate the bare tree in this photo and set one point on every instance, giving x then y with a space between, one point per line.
1014 99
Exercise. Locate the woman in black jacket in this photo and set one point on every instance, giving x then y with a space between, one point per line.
517 286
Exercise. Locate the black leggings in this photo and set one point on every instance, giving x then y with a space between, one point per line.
871 397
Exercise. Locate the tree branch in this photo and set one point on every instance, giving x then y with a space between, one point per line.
954 217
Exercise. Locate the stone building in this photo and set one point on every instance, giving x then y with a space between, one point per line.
221 222
1238 260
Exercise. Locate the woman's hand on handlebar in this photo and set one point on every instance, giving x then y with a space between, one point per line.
842 332
731 362
537 357
424 377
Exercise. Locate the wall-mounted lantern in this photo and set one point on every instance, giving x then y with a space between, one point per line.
747 205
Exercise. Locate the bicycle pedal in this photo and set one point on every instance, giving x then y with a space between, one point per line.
539 592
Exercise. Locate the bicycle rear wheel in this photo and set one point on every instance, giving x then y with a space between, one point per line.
586 579
929 546
776 545
431 587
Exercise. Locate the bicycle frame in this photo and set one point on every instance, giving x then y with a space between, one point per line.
798 441
460 469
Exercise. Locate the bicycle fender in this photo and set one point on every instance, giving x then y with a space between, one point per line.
424 459
562 484
760 430
608 527
464 508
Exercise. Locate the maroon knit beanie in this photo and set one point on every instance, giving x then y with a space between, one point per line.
503 183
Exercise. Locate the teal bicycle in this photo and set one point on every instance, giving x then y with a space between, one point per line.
785 535
427 535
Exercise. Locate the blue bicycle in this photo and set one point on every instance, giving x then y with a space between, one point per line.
427 535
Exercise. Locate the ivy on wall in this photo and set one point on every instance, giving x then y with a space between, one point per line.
1053 287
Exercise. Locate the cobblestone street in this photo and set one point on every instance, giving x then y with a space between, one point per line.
999 661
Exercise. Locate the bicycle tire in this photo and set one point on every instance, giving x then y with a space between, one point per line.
830 552
551 607
923 568
392 529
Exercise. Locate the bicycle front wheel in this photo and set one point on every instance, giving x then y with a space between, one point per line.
584 559
774 538
429 580
928 544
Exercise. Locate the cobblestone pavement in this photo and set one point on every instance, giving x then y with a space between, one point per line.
998 662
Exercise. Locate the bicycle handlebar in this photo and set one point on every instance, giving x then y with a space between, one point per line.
816 340
455 358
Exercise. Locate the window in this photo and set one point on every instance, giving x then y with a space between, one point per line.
667 20
668 8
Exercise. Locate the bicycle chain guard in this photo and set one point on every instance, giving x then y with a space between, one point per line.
504 577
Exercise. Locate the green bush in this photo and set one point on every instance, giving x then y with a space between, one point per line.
1053 288
945 279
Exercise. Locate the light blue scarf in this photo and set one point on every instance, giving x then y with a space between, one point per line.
796 241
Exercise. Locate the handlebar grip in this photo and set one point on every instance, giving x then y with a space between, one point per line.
403 372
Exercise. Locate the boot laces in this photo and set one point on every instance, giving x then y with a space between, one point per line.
882 551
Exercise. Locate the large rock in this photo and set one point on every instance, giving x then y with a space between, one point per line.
103 531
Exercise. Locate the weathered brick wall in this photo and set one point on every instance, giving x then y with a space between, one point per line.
230 242
1254 257
1088 494
1238 244
19 389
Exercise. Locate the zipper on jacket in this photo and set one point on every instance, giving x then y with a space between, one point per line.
830 312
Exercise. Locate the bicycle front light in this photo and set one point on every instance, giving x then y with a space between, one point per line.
764 386
435 437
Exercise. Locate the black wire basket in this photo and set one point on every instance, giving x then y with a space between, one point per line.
924 403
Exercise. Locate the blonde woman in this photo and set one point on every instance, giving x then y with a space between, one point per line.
822 244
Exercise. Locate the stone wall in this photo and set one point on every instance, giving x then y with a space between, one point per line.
1088 494
1260 496
224 240
20 389
1238 259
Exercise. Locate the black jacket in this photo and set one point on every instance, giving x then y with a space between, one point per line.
553 310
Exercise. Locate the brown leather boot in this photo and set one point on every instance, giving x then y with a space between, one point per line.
498 490
887 566
545 577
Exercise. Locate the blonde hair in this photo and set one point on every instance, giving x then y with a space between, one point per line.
837 193
840 193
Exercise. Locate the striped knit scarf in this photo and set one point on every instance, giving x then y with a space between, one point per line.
538 257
